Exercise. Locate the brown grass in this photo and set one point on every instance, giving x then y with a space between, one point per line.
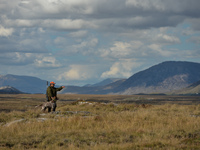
106 126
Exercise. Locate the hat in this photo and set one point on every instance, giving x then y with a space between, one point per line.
52 82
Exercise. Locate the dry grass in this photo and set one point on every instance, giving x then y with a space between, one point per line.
107 126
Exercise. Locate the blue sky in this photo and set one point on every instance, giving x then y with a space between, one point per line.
76 42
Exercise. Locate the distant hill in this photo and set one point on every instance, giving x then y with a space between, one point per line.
161 78
114 84
104 87
9 90
165 77
26 84
104 82
193 89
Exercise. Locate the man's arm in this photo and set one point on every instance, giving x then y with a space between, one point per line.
60 88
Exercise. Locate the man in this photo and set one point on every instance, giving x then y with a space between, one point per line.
51 94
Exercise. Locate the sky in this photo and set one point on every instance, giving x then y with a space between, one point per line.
78 42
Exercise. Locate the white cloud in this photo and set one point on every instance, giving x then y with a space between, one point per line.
78 14
6 31
146 4
47 62
121 49
157 50
148 44
41 30
169 6
91 43
83 47
167 39
56 24
77 72
79 34
66 24
23 59
73 74
20 22
65 6
60 40
16 58
122 68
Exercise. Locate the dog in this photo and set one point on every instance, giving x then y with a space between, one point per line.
50 105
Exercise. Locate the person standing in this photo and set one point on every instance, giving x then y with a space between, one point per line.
51 94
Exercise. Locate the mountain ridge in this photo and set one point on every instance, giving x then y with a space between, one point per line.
26 84
193 89
9 90
163 77
104 82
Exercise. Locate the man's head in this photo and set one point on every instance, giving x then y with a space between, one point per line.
52 83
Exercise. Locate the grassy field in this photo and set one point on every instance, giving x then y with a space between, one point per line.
96 122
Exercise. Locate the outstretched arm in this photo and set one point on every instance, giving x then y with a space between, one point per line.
60 88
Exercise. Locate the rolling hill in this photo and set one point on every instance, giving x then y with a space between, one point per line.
164 77
26 84
193 89
9 90
104 87
106 82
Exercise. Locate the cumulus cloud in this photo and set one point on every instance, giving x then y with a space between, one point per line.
77 72
81 46
66 24
6 31
167 39
25 42
121 49
183 7
55 24
66 15
24 59
79 34
72 7
122 68
16 58
157 49
46 62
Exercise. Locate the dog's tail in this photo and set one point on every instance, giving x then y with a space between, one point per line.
38 105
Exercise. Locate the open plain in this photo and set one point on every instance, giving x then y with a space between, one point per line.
100 122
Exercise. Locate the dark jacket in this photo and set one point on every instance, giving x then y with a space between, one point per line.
52 92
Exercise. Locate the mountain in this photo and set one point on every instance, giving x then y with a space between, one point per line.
104 82
165 77
104 87
113 84
161 78
78 90
9 90
193 89
26 84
